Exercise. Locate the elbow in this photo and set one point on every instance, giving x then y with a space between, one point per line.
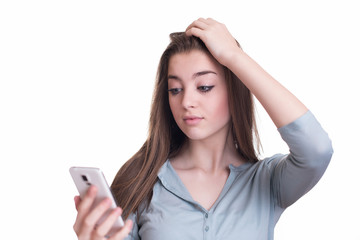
321 154
326 151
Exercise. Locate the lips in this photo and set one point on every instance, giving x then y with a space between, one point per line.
192 120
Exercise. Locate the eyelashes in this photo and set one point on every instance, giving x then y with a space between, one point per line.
202 89
174 91
205 88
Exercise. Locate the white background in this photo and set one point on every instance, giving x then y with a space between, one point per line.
76 80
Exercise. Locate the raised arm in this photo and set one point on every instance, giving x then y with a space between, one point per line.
310 147
281 105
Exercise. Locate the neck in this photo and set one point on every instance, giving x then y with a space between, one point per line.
210 155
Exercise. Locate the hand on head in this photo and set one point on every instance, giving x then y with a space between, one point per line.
221 44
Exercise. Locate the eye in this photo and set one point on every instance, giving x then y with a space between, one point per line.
205 88
174 91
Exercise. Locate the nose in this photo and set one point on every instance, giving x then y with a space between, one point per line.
189 99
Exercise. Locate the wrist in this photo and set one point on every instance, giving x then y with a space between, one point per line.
234 59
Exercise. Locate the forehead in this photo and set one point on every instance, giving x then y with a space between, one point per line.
193 61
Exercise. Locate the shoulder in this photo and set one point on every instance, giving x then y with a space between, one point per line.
261 170
267 163
271 162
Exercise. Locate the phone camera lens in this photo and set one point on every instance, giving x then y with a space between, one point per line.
84 178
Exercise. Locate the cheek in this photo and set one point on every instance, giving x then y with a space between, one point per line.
221 108
173 107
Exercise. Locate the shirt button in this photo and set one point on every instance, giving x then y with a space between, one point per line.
206 215
206 228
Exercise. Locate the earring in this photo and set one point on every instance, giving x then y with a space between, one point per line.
236 144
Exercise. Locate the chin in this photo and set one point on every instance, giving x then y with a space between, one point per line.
197 136
194 136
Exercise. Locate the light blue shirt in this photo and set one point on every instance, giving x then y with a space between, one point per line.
252 200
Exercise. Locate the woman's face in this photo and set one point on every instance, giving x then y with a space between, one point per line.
198 96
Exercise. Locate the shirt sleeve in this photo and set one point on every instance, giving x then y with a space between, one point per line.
310 153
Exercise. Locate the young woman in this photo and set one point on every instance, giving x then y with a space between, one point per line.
197 175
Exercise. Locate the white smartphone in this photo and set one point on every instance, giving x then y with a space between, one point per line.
84 177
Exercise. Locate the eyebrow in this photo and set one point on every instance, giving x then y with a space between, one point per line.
199 74
195 75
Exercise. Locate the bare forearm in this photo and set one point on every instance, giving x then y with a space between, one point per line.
281 105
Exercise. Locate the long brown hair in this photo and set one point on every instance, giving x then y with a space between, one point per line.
135 180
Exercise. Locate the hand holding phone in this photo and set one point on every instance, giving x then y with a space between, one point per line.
84 177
